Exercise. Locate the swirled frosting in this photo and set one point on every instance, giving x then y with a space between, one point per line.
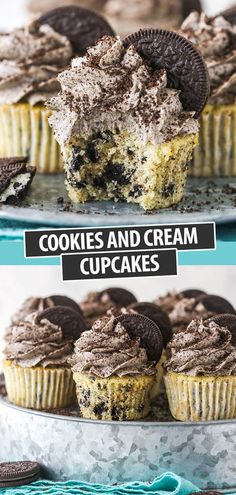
34 344
186 310
31 305
95 306
108 350
30 59
112 88
168 301
205 348
216 40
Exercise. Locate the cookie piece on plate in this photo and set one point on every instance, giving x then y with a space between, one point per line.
15 179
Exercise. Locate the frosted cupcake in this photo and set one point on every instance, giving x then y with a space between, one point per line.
125 134
216 39
30 59
114 370
96 304
201 373
36 369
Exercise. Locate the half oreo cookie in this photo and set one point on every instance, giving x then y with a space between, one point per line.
215 304
15 179
156 314
81 26
146 330
185 67
120 297
18 473
70 321
59 300
189 6
228 321
192 293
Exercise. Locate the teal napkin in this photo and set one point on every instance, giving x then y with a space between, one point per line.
166 484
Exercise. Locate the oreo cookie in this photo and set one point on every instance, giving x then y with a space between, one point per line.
189 6
142 327
230 15
81 26
228 321
156 314
15 179
215 304
70 321
59 300
192 293
185 66
18 473
120 297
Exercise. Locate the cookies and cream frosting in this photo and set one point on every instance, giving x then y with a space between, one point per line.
107 350
38 344
216 40
186 310
205 348
112 88
30 59
96 304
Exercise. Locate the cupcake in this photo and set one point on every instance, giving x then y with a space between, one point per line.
216 39
30 60
201 373
125 133
36 369
199 307
169 300
126 17
114 367
96 304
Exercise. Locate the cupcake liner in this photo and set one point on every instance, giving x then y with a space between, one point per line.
38 388
201 398
159 387
216 154
25 131
114 398
159 182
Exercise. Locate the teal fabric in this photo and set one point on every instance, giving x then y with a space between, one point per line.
166 484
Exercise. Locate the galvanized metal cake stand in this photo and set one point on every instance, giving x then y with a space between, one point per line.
113 452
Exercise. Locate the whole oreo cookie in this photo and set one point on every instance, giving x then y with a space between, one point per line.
228 321
189 6
230 15
216 304
142 327
192 293
81 26
70 321
18 473
120 297
185 67
59 300
156 314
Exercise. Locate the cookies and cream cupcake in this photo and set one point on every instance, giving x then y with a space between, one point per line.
215 37
96 304
124 131
201 373
36 369
30 60
114 367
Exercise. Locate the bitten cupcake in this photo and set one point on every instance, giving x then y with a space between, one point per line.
125 132
201 373
36 369
114 367
216 40
96 304
30 60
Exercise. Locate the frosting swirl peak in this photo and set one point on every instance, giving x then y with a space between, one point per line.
108 350
112 87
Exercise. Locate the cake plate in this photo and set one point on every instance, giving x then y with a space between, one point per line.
114 452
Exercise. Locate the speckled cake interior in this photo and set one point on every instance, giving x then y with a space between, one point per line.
118 166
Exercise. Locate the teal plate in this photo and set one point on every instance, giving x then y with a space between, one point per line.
204 200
